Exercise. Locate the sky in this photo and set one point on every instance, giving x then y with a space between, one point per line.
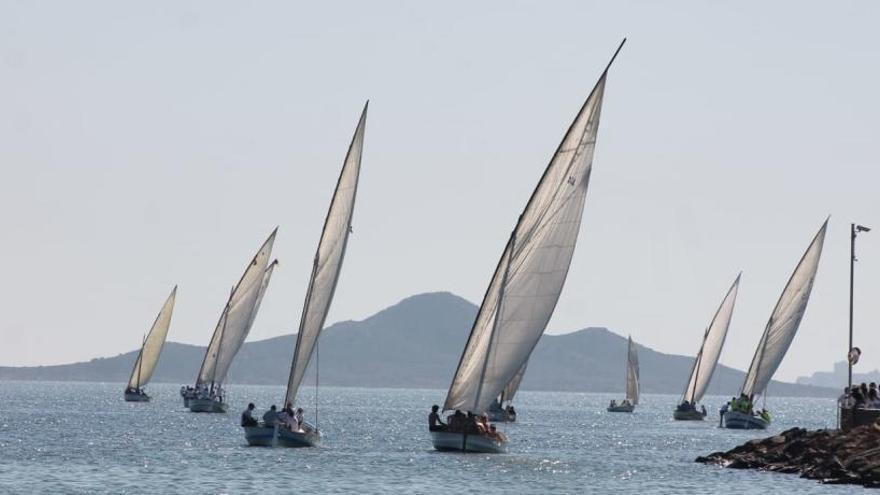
148 144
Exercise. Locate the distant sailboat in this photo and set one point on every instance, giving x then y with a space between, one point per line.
778 335
151 348
707 358
632 382
326 267
502 410
235 322
526 285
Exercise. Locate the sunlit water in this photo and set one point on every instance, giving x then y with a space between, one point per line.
83 438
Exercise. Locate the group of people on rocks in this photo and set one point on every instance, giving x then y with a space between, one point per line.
743 404
688 406
459 422
287 418
862 396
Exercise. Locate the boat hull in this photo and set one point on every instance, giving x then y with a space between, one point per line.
623 408
501 416
739 421
207 406
263 436
137 397
459 442
688 415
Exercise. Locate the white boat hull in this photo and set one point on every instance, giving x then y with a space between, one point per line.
137 397
207 406
622 408
446 441
740 421
263 436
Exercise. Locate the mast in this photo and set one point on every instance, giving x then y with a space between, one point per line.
220 341
697 366
299 333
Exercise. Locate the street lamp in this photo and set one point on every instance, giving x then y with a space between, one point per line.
854 231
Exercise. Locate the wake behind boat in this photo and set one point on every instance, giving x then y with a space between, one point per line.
707 359
628 404
524 288
781 328
289 428
151 348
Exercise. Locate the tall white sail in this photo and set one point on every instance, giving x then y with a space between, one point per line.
327 263
237 317
529 277
785 319
146 361
632 373
710 349
510 390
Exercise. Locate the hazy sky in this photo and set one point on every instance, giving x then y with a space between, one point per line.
147 144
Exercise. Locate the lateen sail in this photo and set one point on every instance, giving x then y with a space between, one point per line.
328 260
146 361
529 277
785 319
510 390
237 317
710 349
632 373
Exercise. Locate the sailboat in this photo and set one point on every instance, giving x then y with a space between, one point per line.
151 348
778 335
525 286
326 267
632 382
502 410
235 322
707 358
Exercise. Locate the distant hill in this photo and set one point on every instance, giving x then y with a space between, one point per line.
837 378
417 343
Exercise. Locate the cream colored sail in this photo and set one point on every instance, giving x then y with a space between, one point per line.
785 319
146 361
710 349
632 373
531 273
236 318
327 263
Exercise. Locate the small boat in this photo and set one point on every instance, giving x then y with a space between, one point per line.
151 348
235 322
326 267
525 286
707 358
502 410
628 404
775 341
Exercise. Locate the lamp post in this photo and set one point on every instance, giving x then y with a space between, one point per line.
854 231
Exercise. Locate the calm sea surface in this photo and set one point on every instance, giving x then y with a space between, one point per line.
83 438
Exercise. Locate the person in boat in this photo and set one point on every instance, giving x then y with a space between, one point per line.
434 422
270 417
613 403
483 426
455 422
511 412
247 416
765 415
299 416
703 410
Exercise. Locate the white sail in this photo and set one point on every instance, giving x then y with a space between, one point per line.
510 390
785 319
632 373
327 263
146 361
710 349
237 316
529 277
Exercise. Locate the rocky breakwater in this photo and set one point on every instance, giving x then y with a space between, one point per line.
830 456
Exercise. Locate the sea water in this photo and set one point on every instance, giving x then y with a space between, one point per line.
83 438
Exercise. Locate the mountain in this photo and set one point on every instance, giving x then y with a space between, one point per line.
417 343
837 378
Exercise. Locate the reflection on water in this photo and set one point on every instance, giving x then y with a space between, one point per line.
83 438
